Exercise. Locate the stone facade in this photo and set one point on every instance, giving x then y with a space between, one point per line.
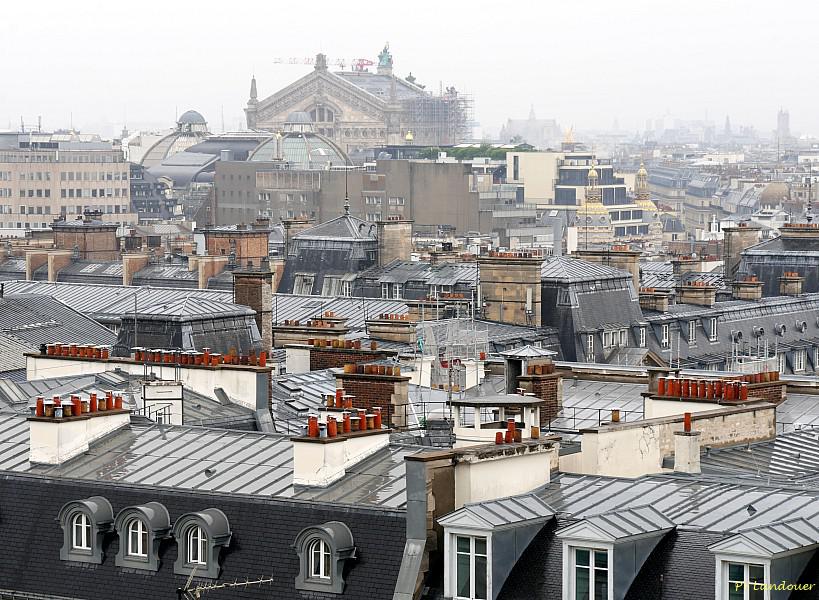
510 288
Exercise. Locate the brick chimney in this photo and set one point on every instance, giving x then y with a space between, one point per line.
320 461
698 293
394 328
326 333
654 299
34 260
790 284
57 261
544 383
301 358
132 264
209 266
254 288
749 288
390 392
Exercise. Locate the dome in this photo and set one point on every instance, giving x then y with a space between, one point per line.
774 193
303 150
191 117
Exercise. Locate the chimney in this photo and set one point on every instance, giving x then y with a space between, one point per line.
132 264
320 461
209 266
57 261
654 299
510 287
34 260
698 293
790 284
293 227
735 240
683 265
317 332
54 440
541 380
382 386
301 358
687 448
749 288
393 327
394 241
619 256
255 289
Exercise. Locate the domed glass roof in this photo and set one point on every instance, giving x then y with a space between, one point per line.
191 117
302 150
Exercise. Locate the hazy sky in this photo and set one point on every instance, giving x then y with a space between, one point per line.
584 63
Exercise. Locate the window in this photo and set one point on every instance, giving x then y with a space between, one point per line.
385 290
712 336
623 338
782 362
347 288
590 574
606 339
665 337
84 524
743 581
81 532
641 332
323 551
319 553
590 347
470 567
799 360
200 536
396 290
137 539
331 286
303 284
197 546
692 332
564 297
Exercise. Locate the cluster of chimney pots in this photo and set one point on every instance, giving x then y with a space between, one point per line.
75 406
351 419
717 389
542 369
204 358
513 434
369 369
78 350
340 344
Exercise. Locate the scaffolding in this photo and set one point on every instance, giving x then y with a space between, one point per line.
439 120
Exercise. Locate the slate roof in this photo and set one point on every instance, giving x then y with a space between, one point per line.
36 319
789 458
661 276
13 268
187 309
107 303
402 271
778 538
11 354
701 503
492 514
201 459
345 227
356 310
380 86
620 524
571 270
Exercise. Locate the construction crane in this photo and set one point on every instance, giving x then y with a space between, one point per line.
358 64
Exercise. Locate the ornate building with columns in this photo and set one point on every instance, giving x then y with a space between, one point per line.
361 109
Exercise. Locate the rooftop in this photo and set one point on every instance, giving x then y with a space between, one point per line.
570 270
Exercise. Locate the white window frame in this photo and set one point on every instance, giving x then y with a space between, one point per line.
607 339
569 546
590 346
385 291
137 526
713 332
451 557
318 548
665 337
80 532
642 337
346 288
783 362
196 540
623 338
692 331
397 289
722 562
799 360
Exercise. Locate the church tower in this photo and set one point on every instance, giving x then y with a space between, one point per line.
593 221
650 213
252 105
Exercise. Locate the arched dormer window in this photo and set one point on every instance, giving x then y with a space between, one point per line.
323 552
141 530
200 537
85 523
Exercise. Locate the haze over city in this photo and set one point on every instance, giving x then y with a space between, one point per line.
585 64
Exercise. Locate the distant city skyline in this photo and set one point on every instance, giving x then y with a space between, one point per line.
585 65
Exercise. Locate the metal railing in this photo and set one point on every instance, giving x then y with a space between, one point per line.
585 417
160 413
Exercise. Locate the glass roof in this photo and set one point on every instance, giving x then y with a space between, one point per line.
302 150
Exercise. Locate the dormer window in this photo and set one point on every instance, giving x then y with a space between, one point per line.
323 552
201 537
141 530
85 524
